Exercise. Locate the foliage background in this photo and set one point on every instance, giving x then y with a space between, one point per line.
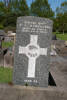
11 9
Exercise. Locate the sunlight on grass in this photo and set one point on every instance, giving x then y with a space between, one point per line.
61 36
5 75
7 44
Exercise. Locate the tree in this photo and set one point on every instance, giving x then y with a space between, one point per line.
11 9
41 8
20 7
62 9
63 23
2 13
61 18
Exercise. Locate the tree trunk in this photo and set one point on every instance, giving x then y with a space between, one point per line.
63 32
63 29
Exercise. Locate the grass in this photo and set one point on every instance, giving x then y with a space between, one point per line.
7 44
5 75
61 36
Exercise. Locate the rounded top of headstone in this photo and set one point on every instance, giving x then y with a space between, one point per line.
37 19
34 25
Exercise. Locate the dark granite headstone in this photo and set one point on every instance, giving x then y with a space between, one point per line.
32 51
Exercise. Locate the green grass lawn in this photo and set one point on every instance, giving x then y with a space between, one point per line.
7 44
61 36
5 75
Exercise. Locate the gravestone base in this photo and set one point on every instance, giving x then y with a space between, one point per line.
30 93
32 83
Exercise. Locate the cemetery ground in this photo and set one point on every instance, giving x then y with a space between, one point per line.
58 65
6 73
58 69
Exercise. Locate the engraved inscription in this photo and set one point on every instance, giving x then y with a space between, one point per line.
35 27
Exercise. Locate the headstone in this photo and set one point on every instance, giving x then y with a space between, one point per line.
65 43
1 59
32 51
9 32
9 59
54 37
53 50
7 39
